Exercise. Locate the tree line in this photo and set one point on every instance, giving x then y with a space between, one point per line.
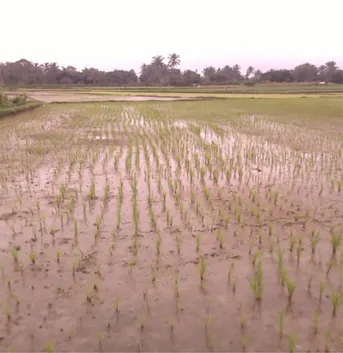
160 72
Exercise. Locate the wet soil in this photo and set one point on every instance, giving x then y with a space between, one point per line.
78 275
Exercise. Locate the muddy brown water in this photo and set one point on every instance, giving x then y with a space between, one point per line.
88 291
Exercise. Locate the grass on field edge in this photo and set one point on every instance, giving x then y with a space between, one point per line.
19 109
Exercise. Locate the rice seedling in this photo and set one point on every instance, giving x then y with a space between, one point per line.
314 241
220 239
58 256
315 322
14 253
291 343
176 290
116 305
179 241
281 322
203 268
32 256
329 267
158 242
76 229
299 249
291 285
197 242
142 322
336 238
256 283
292 242
321 290
91 193
49 347
234 285
336 300
230 272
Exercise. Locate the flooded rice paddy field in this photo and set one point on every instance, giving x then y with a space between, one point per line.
134 227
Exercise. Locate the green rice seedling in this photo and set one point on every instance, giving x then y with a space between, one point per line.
292 242
7 314
290 288
335 241
58 256
283 276
257 255
135 246
299 248
203 268
15 256
63 191
291 343
16 299
76 229
315 322
256 283
116 305
176 289
230 272
280 254
32 256
281 322
321 290
197 242
276 197
158 242
234 285
106 193
118 216
227 220
244 342
49 347
179 241
336 300
206 193
329 267
270 230
142 323
251 244
314 242
91 193
220 239
171 325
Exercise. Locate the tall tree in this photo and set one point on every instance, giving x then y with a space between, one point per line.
305 73
331 67
173 60
158 60
250 71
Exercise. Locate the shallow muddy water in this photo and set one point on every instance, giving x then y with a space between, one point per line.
112 214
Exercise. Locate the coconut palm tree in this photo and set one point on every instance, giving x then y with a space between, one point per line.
250 71
158 60
173 60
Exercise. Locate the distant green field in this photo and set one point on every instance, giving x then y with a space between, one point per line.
232 89
205 94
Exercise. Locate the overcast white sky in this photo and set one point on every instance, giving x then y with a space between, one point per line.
110 34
